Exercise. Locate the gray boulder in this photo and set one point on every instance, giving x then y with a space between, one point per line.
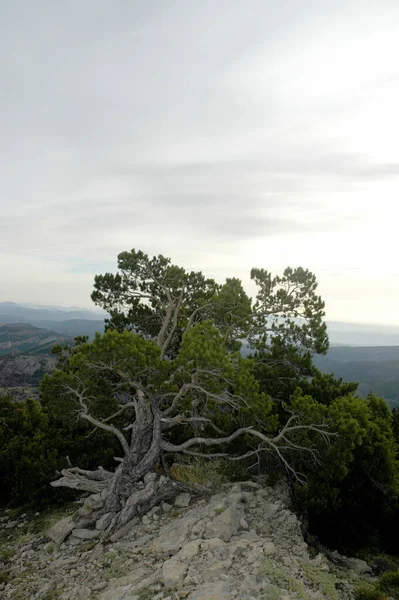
60 530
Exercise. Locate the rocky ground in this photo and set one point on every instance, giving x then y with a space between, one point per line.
242 543
20 375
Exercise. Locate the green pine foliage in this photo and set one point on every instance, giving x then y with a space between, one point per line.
28 458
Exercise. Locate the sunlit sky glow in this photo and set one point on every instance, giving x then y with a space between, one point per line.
225 135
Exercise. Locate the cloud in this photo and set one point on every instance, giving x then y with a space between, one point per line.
221 134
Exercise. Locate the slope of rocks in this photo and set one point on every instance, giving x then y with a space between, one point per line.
244 543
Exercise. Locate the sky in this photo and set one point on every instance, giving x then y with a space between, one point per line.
226 135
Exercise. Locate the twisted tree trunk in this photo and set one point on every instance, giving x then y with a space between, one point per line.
118 498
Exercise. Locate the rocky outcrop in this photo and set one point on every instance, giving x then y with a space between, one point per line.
25 356
25 370
23 338
244 543
20 375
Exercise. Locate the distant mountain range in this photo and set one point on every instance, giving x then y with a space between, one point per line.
367 354
49 313
67 322
355 334
27 335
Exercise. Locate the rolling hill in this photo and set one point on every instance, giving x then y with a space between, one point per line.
67 322
25 356
375 368
23 338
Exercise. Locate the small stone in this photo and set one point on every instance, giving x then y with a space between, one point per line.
173 572
44 589
269 548
190 550
223 526
150 477
255 556
60 530
249 536
65 562
197 529
269 510
250 486
217 570
212 591
182 500
124 530
166 507
86 534
212 544
359 565
154 510
104 521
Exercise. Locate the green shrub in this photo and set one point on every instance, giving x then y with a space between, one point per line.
383 563
320 579
34 446
7 554
389 583
208 472
368 592
5 576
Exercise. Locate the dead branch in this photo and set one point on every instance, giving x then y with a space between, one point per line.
73 480
84 414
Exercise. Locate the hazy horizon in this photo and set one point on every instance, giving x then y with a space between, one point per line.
334 325
223 135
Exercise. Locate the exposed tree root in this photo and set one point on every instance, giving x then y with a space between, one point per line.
108 511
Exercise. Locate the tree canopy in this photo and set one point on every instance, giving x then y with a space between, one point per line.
168 378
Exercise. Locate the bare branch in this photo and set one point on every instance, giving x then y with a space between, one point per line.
100 474
76 481
182 420
168 447
195 312
272 444
119 412
84 414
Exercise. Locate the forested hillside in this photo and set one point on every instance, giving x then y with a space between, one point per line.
375 369
23 338
25 350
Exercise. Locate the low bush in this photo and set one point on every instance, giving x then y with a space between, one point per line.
368 592
389 583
